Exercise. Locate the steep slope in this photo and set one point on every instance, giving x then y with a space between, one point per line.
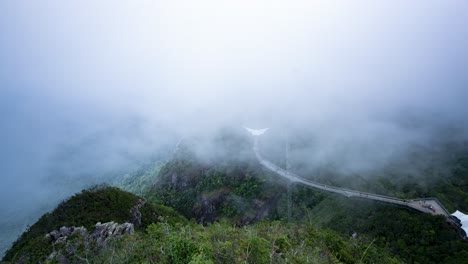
245 193
99 204
237 205
169 238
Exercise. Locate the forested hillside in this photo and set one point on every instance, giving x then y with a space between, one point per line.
228 209
166 237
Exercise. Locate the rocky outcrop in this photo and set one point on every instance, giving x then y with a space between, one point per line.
64 232
67 240
136 214
101 233
108 230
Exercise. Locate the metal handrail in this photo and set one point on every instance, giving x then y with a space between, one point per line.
343 191
411 203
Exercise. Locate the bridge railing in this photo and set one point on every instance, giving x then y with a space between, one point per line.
325 186
436 200
343 191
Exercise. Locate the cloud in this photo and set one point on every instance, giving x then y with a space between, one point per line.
87 86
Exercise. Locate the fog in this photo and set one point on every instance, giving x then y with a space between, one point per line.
89 88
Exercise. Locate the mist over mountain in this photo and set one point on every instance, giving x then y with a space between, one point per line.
93 89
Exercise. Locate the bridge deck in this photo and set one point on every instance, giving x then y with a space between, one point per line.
429 205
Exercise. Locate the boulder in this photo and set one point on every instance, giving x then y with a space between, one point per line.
101 234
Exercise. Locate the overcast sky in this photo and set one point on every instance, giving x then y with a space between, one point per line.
124 76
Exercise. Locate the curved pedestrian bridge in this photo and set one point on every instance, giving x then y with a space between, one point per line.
427 205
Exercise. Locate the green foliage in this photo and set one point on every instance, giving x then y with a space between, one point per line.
411 235
98 204
140 181
248 188
153 212
453 190
264 242
244 193
230 198
84 209
208 192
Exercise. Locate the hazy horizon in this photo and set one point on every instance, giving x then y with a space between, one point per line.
88 87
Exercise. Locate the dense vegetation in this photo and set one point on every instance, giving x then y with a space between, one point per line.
414 236
244 193
166 237
242 213
98 204
264 242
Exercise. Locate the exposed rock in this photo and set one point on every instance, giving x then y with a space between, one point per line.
101 234
111 229
136 214
80 230
62 238
54 235
62 235
66 231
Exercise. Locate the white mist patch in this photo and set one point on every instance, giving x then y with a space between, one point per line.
256 132
341 70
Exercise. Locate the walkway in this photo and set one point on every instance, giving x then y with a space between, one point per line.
430 205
